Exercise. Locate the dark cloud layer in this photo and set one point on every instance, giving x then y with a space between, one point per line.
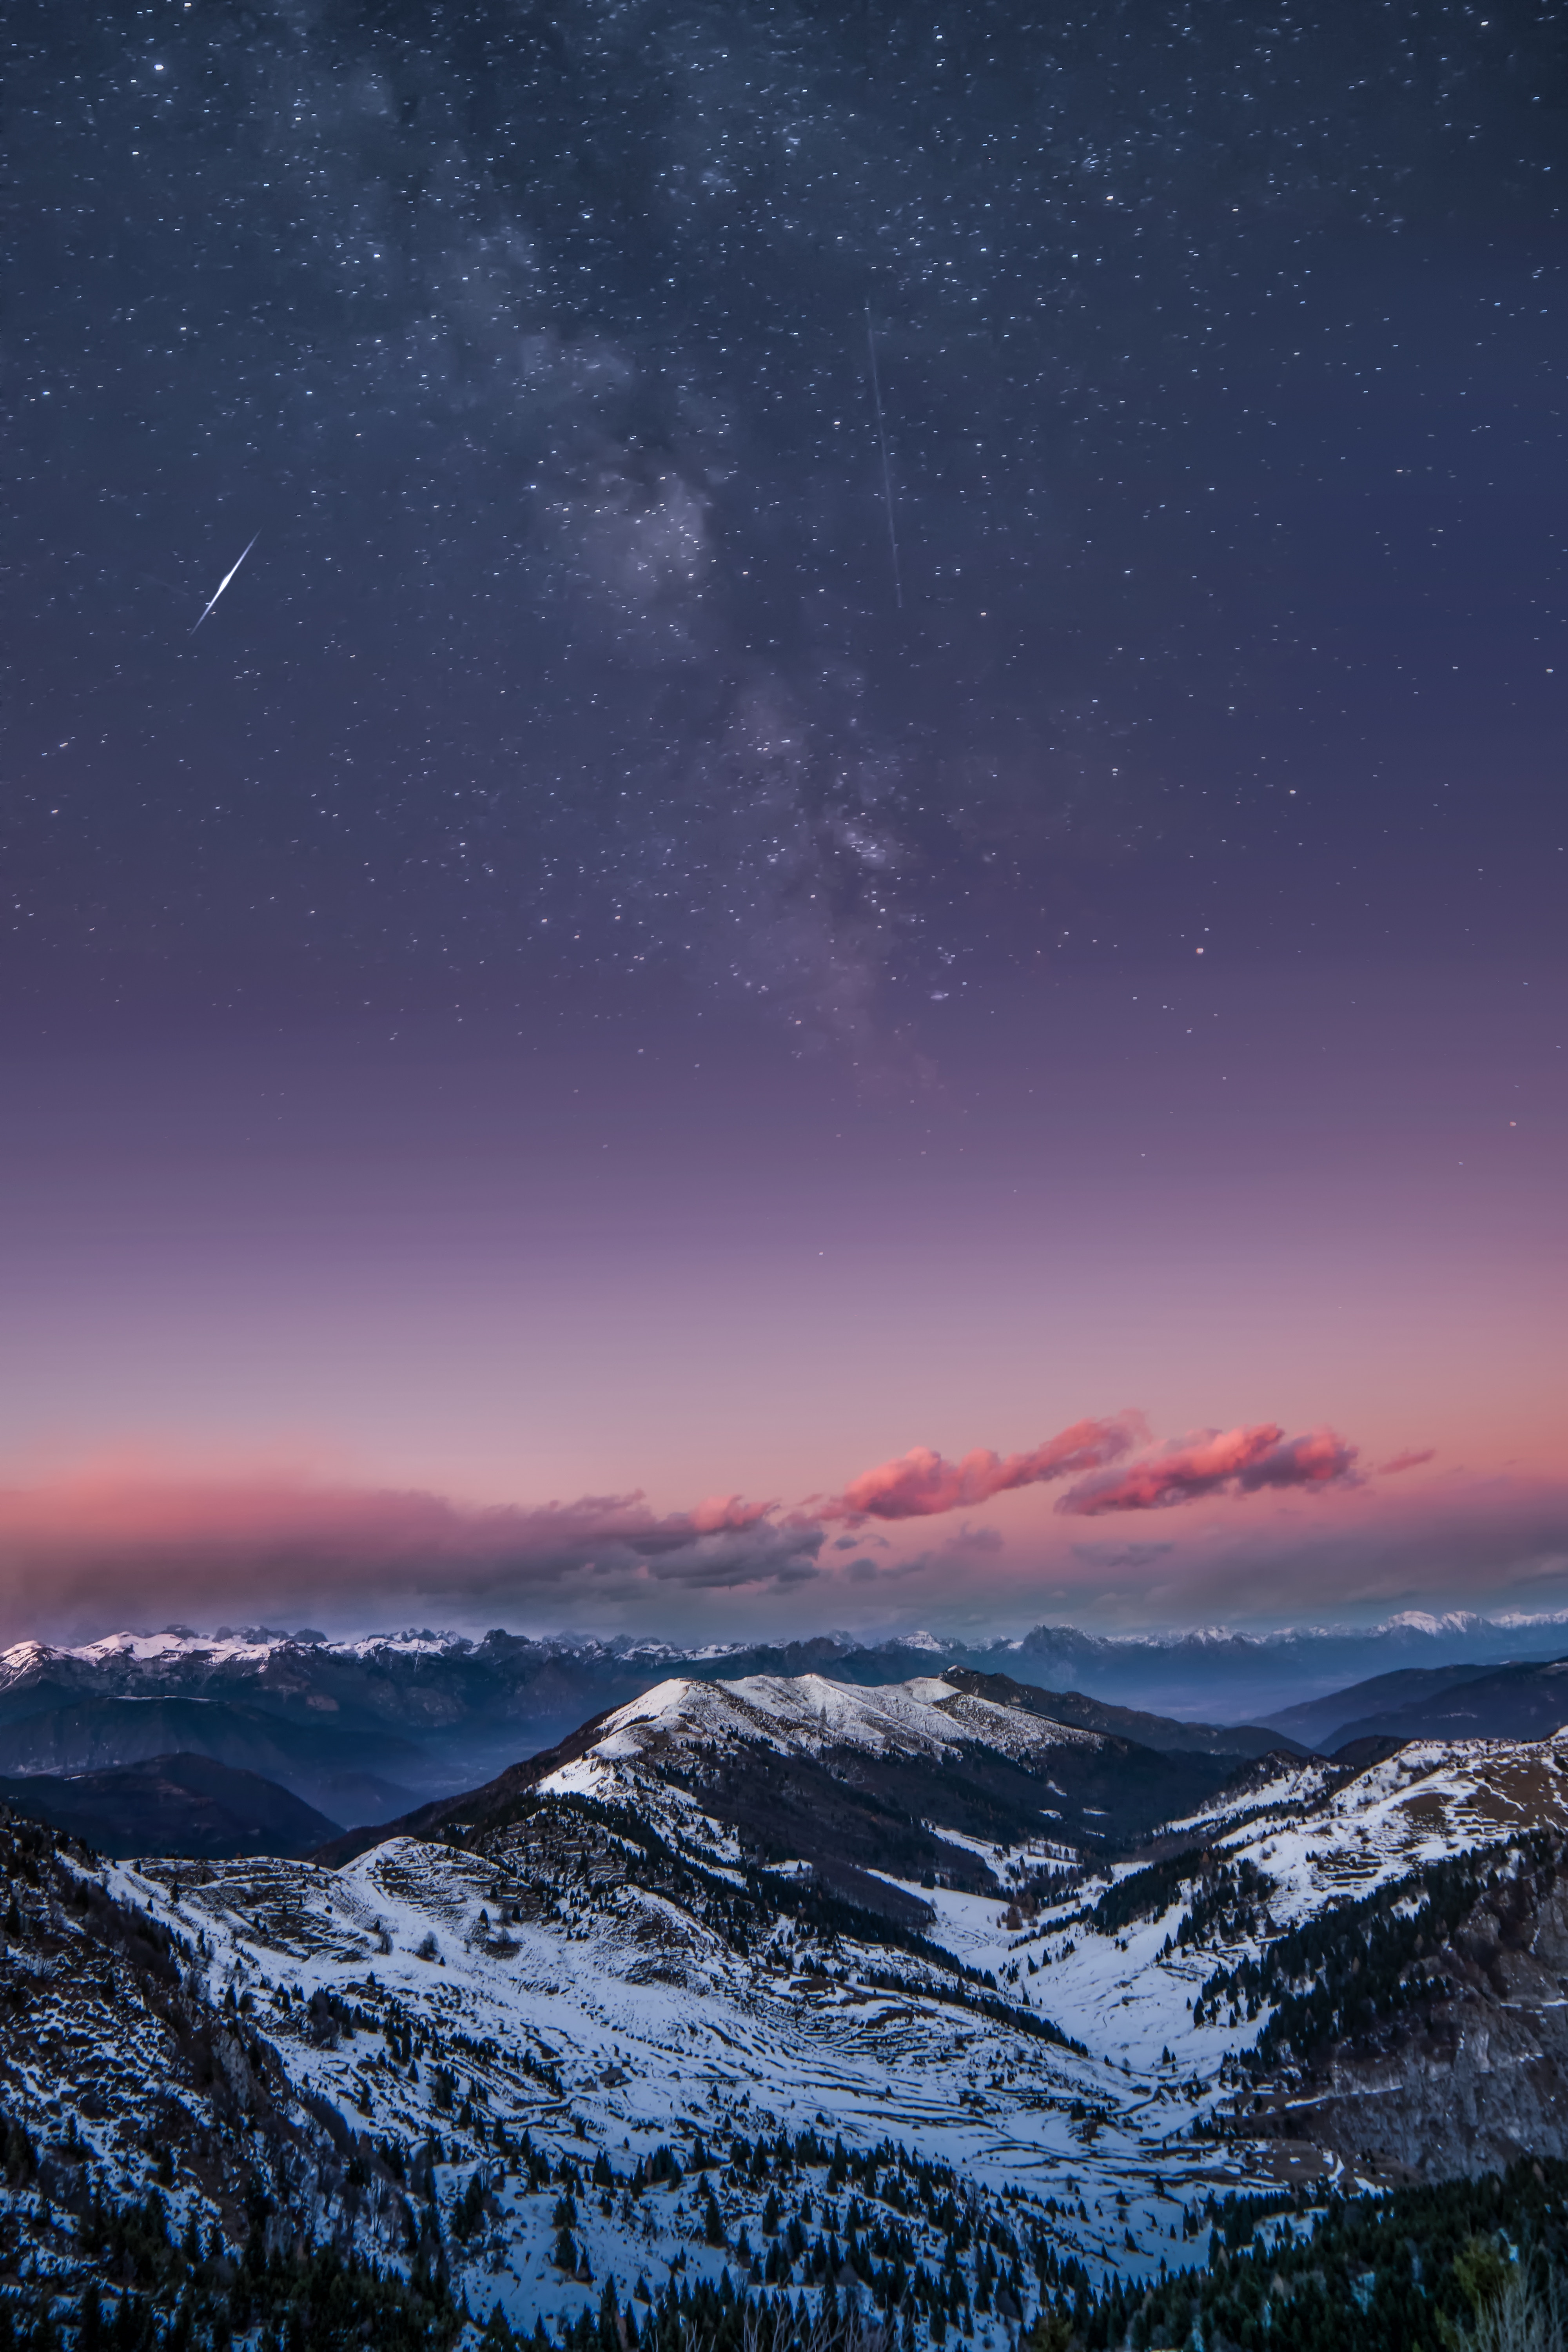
132 1543
124 1539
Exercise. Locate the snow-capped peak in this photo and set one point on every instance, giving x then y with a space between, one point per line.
1420 1620
806 1713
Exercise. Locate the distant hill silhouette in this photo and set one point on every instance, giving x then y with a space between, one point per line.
174 1805
341 1772
1525 1701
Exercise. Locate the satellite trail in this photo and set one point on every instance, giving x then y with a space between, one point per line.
886 477
227 576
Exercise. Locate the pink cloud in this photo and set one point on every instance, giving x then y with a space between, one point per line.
920 1484
1391 1469
1231 1461
728 1514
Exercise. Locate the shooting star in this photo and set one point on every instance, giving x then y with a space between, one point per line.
886 476
222 584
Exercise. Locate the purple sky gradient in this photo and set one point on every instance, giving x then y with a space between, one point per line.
509 1280
573 987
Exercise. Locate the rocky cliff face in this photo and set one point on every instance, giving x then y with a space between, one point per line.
1474 2073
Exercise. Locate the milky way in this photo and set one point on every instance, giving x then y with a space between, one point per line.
1216 353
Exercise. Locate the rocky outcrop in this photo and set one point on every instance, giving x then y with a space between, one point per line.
1471 2074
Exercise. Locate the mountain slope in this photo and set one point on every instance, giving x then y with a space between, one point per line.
1517 1702
1462 2060
1160 1732
123 2069
1322 1722
1392 1956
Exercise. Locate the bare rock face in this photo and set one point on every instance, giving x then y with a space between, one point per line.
1468 2079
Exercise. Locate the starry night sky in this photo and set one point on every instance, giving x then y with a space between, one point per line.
614 849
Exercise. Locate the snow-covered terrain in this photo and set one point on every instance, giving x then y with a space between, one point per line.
599 1965
602 2016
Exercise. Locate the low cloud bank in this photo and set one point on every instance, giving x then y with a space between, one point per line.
98 1542
132 1539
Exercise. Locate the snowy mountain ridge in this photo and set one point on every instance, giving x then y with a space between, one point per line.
175 1643
805 1714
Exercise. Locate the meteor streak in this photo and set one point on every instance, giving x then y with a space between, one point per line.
887 475
222 584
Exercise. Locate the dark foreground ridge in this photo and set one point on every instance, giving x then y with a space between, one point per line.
1420 2269
1454 2265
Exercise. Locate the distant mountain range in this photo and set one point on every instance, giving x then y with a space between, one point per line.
365 1731
305 1746
1526 1701
1231 1677
376 1721
323 1765
114 1772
